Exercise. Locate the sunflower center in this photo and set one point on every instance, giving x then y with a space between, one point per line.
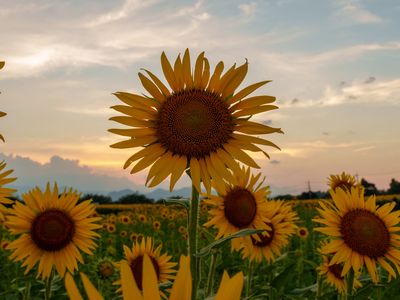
52 230
137 269
240 207
264 240
194 123
336 270
365 233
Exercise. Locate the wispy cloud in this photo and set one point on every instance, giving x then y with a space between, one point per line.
248 9
354 10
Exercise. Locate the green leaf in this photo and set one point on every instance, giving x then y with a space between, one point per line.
283 278
299 291
367 290
218 243
178 201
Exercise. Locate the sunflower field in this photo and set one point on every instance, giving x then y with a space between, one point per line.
228 241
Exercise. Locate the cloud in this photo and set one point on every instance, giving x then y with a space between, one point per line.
66 172
367 92
274 162
248 9
362 149
370 80
354 11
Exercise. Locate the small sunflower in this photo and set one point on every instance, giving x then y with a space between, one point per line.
302 232
281 226
105 267
201 123
5 192
239 204
123 233
161 262
343 181
156 225
54 228
362 233
111 228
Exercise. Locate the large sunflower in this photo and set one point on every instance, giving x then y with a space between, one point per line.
230 288
161 262
200 123
239 204
5 192
54 228
281 225
362 233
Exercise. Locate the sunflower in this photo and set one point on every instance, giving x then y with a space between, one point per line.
54 228
111 228
239 204
362 233
5 192
343 181
161 262
156 225
105 267
200 123
229 289
281 226
302 232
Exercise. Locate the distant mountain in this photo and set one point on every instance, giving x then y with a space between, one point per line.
157 194
115 195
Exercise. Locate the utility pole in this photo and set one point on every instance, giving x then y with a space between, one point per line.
309 189
356 176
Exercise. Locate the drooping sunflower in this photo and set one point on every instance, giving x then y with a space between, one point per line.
161 262
201 123
362 233
229 289
5 192
334 276
343 181
54 230
239 204
282 225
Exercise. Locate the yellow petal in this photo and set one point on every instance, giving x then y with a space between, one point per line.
151 88
182 288
150 282
215 77
246 91
71 288
129 287
198 70
187 73
91 291
195 173
168 72
159 84
253 110
232 84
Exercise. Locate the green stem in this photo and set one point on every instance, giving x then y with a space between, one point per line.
193 240
349 283
319 283
47 292
249 279
211 273
27 293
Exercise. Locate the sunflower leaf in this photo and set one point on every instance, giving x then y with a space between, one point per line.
180 201
218 243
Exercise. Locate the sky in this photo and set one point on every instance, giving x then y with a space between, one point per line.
334 65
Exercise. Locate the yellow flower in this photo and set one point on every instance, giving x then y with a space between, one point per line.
161 262
5 192
302 232
156 225
343 181
200 123
54 228
229 289
333 275
281 227
362 234
239 204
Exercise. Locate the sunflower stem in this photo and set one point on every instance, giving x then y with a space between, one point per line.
193 240
349 284
249 279
49 282
211 273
